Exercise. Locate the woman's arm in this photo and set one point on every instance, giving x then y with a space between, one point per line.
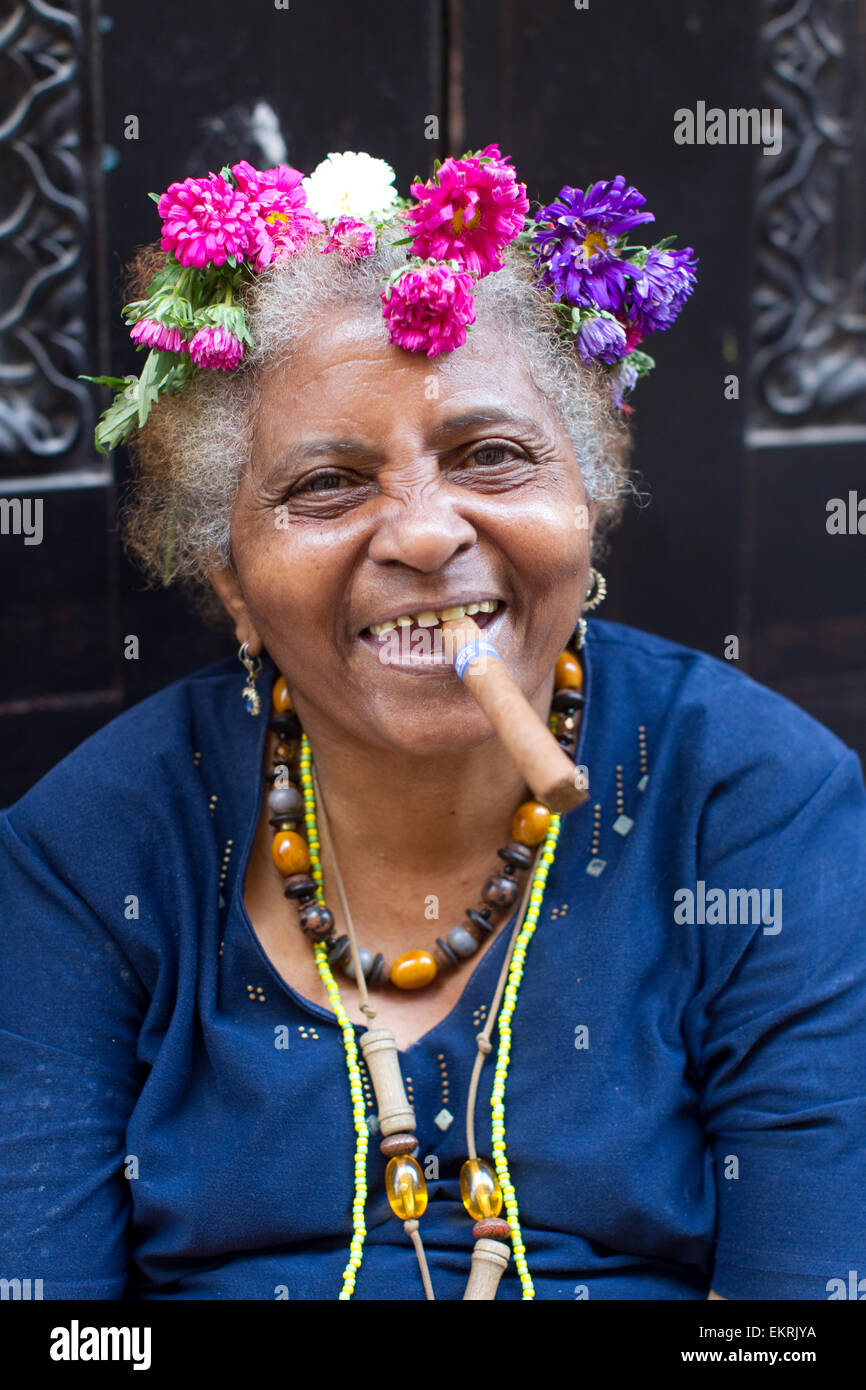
70 1013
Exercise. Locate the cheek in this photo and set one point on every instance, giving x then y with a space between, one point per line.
547 536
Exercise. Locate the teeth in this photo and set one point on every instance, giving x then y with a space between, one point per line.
430 618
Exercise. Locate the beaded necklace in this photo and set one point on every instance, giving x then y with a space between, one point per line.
484 1188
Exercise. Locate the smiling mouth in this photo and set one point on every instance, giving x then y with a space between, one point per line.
481 610
415 642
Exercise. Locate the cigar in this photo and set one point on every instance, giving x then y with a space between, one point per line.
547 768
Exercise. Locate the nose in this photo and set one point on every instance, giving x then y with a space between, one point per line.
421 529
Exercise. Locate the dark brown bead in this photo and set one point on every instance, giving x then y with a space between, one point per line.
397 1144
338 950
374 974
492 1228
567 701
517 855
299 886
449 955
286 726
500 891
480 921
317 921
566 741
284 822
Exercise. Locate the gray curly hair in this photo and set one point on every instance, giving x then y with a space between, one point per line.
189 458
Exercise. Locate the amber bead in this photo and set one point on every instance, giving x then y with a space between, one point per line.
405 1187
280 698
413 970
480 1190
531 823
499 891
397 1144
568 671
290 852
491 1228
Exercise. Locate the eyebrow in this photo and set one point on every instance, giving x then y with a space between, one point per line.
454 426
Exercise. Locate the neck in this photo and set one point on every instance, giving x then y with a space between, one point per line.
406 816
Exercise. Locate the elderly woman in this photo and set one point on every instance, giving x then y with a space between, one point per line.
305 992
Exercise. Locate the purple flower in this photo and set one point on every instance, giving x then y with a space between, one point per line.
576 243
660 288
600 338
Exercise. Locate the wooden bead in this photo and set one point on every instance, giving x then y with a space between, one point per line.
531 823
489 1262
398 1144
413 970
396 1115
567 701
290 852
299 886
568 671
285 726
492 1228
317 921
281 699
518 856
499 891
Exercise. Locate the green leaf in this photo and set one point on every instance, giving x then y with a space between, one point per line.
155 196
116 383
663 245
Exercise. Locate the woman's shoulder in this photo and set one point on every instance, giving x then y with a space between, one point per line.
136 771
708 699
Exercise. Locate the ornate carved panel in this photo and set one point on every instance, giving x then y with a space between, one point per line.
809 327
45 309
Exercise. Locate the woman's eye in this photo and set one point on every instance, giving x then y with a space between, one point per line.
319 482
490 454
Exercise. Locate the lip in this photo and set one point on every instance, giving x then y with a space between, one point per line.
428 606
435 663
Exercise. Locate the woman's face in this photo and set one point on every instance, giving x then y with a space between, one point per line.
383 483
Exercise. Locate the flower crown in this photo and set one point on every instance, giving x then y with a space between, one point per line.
219 232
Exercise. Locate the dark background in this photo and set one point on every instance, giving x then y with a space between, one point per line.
734 540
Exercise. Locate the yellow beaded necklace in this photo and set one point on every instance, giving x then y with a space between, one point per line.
483 1194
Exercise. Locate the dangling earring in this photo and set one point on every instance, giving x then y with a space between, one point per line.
599 583
249 695
598 579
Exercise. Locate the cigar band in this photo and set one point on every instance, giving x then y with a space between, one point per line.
471 652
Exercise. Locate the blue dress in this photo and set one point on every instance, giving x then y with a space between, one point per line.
686 1102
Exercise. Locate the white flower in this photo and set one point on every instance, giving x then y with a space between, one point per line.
351 185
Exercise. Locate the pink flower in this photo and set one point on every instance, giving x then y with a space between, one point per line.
352 238
205 221
149 333
468 211
217 348
428 308
283 218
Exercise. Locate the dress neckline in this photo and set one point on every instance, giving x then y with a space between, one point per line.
251 818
